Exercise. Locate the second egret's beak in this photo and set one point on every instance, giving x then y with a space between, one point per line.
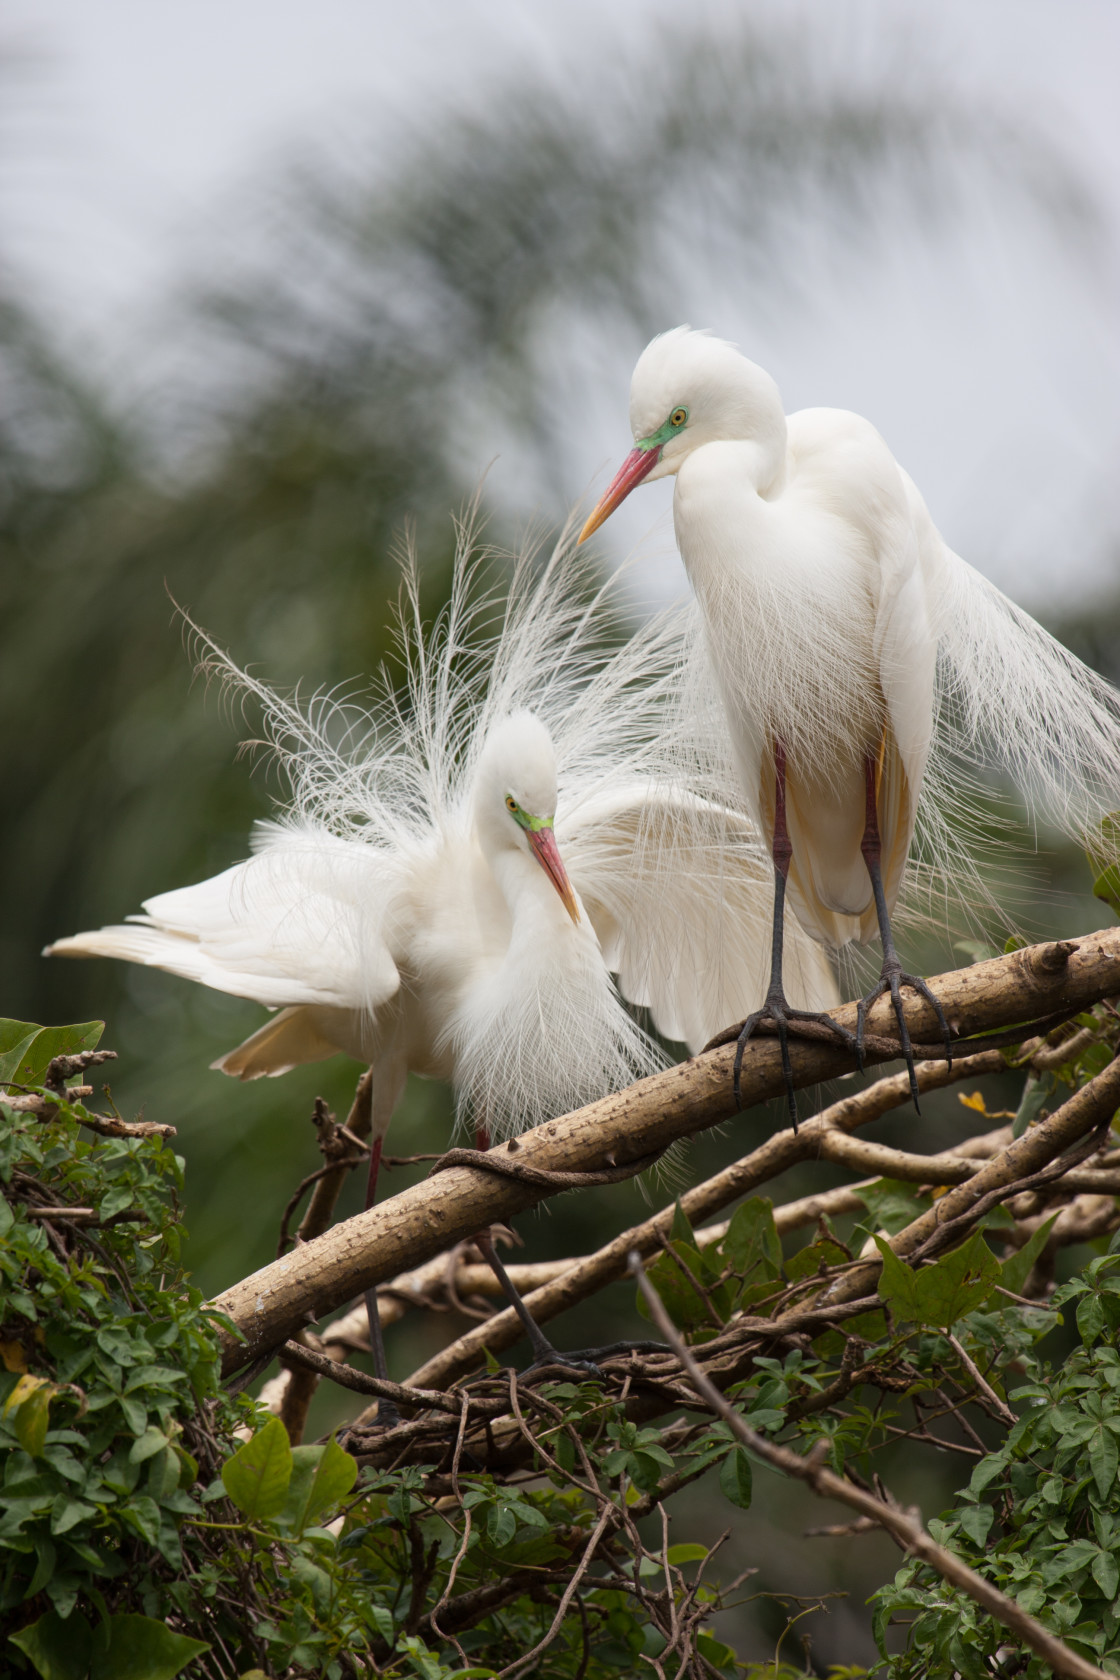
543 842
637 464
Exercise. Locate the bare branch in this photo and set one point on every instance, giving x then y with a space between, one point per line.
905 1527
376 1245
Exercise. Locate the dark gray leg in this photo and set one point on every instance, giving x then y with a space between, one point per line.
775 1008
388 1414
892 976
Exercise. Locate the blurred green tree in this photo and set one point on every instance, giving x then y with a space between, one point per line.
407 298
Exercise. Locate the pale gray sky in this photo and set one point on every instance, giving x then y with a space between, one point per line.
988 358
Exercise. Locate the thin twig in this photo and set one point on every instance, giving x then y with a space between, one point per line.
1002 1409
902 1525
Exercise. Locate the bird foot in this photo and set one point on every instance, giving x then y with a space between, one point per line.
587 1359
891 980
785 1020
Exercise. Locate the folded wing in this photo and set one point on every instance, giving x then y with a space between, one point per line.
298 927
680 893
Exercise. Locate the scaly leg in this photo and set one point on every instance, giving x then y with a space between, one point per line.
892 976
388 1414
775 1008
584 1359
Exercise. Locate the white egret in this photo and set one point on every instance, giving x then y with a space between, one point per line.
861 665
411 908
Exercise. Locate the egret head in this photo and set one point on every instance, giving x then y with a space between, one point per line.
689 389
515 798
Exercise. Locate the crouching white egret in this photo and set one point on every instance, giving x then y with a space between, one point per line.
862 666
449 894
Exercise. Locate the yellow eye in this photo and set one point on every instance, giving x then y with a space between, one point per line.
678 417
511 803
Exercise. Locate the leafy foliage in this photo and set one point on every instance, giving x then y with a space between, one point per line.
139 1536
1040 1516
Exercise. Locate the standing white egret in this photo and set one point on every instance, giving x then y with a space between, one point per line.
861 665
411 908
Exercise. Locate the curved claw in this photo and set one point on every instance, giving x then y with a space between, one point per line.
785 1019
566 1362
892 979
586 1359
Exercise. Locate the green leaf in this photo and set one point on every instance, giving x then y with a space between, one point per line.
1103 1459
1091 1319
321 1476
1106 1573
138 1648
1105 847
257 1476
48 1043
16 1038
29 1406
1017 1268
1037 1092
808 1261
735 1478
891 1204
59 1650
976 1520
151 1442
681 1230
501 1526
67 1512
689 1552
752 1239
944 1292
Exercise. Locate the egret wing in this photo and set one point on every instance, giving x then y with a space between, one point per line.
301 922
680 894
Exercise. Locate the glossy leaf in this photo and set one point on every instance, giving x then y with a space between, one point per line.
256 1478
36 1053
321 1477
59 1649
735 1477
139 1648
752 1239
1017 1268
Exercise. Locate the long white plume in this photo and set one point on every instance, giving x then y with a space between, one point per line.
547 636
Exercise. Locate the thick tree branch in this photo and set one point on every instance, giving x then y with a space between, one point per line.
780 1152
374 1246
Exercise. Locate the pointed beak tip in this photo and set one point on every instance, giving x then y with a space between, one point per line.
547 852
638 465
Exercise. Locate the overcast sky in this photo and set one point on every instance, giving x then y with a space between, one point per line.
988 357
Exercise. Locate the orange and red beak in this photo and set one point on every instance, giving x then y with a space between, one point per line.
636 466
543 842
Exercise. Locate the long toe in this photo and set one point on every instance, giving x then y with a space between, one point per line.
787 1021
917 984
580 1361
745 1032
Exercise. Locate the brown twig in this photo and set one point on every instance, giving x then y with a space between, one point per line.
374 1246
781 1151
902 1525
1002 1409
105 1125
